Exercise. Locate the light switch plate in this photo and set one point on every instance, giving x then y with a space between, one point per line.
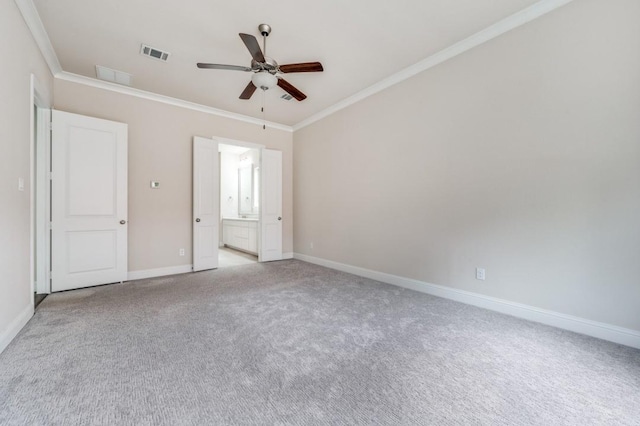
155 185
20 184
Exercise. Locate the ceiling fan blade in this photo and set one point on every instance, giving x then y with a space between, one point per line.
248 91
304 67
290 89
253 46
223 67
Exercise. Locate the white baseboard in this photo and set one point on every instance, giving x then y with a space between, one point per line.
612 333
14 328
158 272
288 255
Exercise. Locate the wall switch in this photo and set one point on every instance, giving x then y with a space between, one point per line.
155 185
480 274
311 245
181 252
20 184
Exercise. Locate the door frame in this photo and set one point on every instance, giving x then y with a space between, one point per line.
227 141
39 188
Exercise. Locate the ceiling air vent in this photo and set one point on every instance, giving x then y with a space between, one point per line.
114 76
154 53
286 97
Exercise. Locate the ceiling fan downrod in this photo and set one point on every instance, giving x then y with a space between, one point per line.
265 30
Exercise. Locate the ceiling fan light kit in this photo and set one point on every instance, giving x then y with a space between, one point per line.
266 71
264 80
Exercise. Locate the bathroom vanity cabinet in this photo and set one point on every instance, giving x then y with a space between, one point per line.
241 234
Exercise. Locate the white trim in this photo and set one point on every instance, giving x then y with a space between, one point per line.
612 333
32 18
288 255
14 328
38 97
143 94
244 144
32 187
33 21
159 272
507 24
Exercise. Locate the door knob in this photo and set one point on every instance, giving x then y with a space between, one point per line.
122 222
198 219
279 218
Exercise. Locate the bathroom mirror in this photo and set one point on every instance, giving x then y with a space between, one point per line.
245 190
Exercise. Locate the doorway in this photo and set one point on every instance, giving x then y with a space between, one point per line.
39 187
239 205
246 214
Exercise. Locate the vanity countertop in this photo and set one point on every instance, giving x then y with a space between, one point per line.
246 219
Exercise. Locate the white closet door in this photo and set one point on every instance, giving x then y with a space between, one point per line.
89 201
271 205
206 203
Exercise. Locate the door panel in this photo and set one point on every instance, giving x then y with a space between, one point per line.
89 201
91 170
271 205
206 203
92 250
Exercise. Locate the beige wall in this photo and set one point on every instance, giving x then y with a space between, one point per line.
160 148
21 58
521 156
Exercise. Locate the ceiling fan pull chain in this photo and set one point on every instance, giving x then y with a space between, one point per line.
264 120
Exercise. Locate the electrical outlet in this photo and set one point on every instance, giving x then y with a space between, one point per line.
480 274
181 252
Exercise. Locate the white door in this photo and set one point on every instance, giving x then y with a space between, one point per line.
206 203
88 201
271 205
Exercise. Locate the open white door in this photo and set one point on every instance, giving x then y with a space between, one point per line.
206 203
271 205
88 201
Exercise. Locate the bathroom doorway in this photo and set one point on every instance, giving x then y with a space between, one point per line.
239 205
237 202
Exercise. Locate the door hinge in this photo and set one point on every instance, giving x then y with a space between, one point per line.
50 175
50 226
50 275
50 126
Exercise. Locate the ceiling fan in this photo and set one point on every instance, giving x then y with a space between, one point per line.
265 69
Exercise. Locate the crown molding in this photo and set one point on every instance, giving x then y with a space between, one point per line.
35 25
31 17
143 94
507 24
33 21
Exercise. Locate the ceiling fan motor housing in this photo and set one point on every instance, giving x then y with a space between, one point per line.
269 64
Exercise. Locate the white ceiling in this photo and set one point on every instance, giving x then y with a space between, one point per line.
359 42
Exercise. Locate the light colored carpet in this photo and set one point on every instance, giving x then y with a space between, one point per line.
293 343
